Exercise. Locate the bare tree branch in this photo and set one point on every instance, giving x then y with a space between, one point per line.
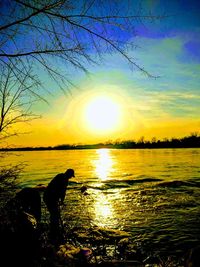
16 98
17 22
61 30
56 51
54 35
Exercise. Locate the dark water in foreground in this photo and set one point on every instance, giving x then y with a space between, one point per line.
154 194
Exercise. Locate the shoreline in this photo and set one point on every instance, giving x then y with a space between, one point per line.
93 147
191 141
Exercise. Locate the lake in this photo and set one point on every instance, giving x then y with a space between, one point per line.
152 193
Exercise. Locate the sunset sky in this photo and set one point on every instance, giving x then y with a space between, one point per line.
116 102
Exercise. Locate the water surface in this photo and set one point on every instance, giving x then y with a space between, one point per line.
152 193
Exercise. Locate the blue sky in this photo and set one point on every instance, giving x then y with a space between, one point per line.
166 106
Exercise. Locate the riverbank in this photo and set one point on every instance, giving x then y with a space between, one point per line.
191 141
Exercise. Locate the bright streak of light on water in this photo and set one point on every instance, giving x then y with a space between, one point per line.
104 163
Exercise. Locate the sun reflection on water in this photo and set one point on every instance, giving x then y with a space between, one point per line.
104 164
103 211
102 205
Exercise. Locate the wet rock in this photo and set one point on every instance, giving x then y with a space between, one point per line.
69 255
67 252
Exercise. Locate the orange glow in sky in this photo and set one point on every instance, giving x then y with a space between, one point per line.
94 116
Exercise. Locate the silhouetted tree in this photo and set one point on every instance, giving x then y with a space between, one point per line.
17 95
73 32
193 140
51 33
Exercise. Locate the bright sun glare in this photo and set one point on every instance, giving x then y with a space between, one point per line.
102 114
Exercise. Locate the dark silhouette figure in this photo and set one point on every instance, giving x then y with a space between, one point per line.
20 236
30 202
54 196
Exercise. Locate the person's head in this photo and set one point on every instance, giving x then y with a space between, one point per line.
69 173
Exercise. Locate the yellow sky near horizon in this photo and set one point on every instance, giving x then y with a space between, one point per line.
98 116
41 135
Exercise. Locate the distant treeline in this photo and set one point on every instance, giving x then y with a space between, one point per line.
191 141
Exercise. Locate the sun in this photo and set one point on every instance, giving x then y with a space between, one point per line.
102 114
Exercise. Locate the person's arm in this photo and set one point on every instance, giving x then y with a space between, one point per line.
62 186
62 196
63 191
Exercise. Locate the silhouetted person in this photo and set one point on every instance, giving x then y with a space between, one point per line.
54 196
20 238
30 201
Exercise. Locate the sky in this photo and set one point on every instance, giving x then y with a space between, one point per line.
116 102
